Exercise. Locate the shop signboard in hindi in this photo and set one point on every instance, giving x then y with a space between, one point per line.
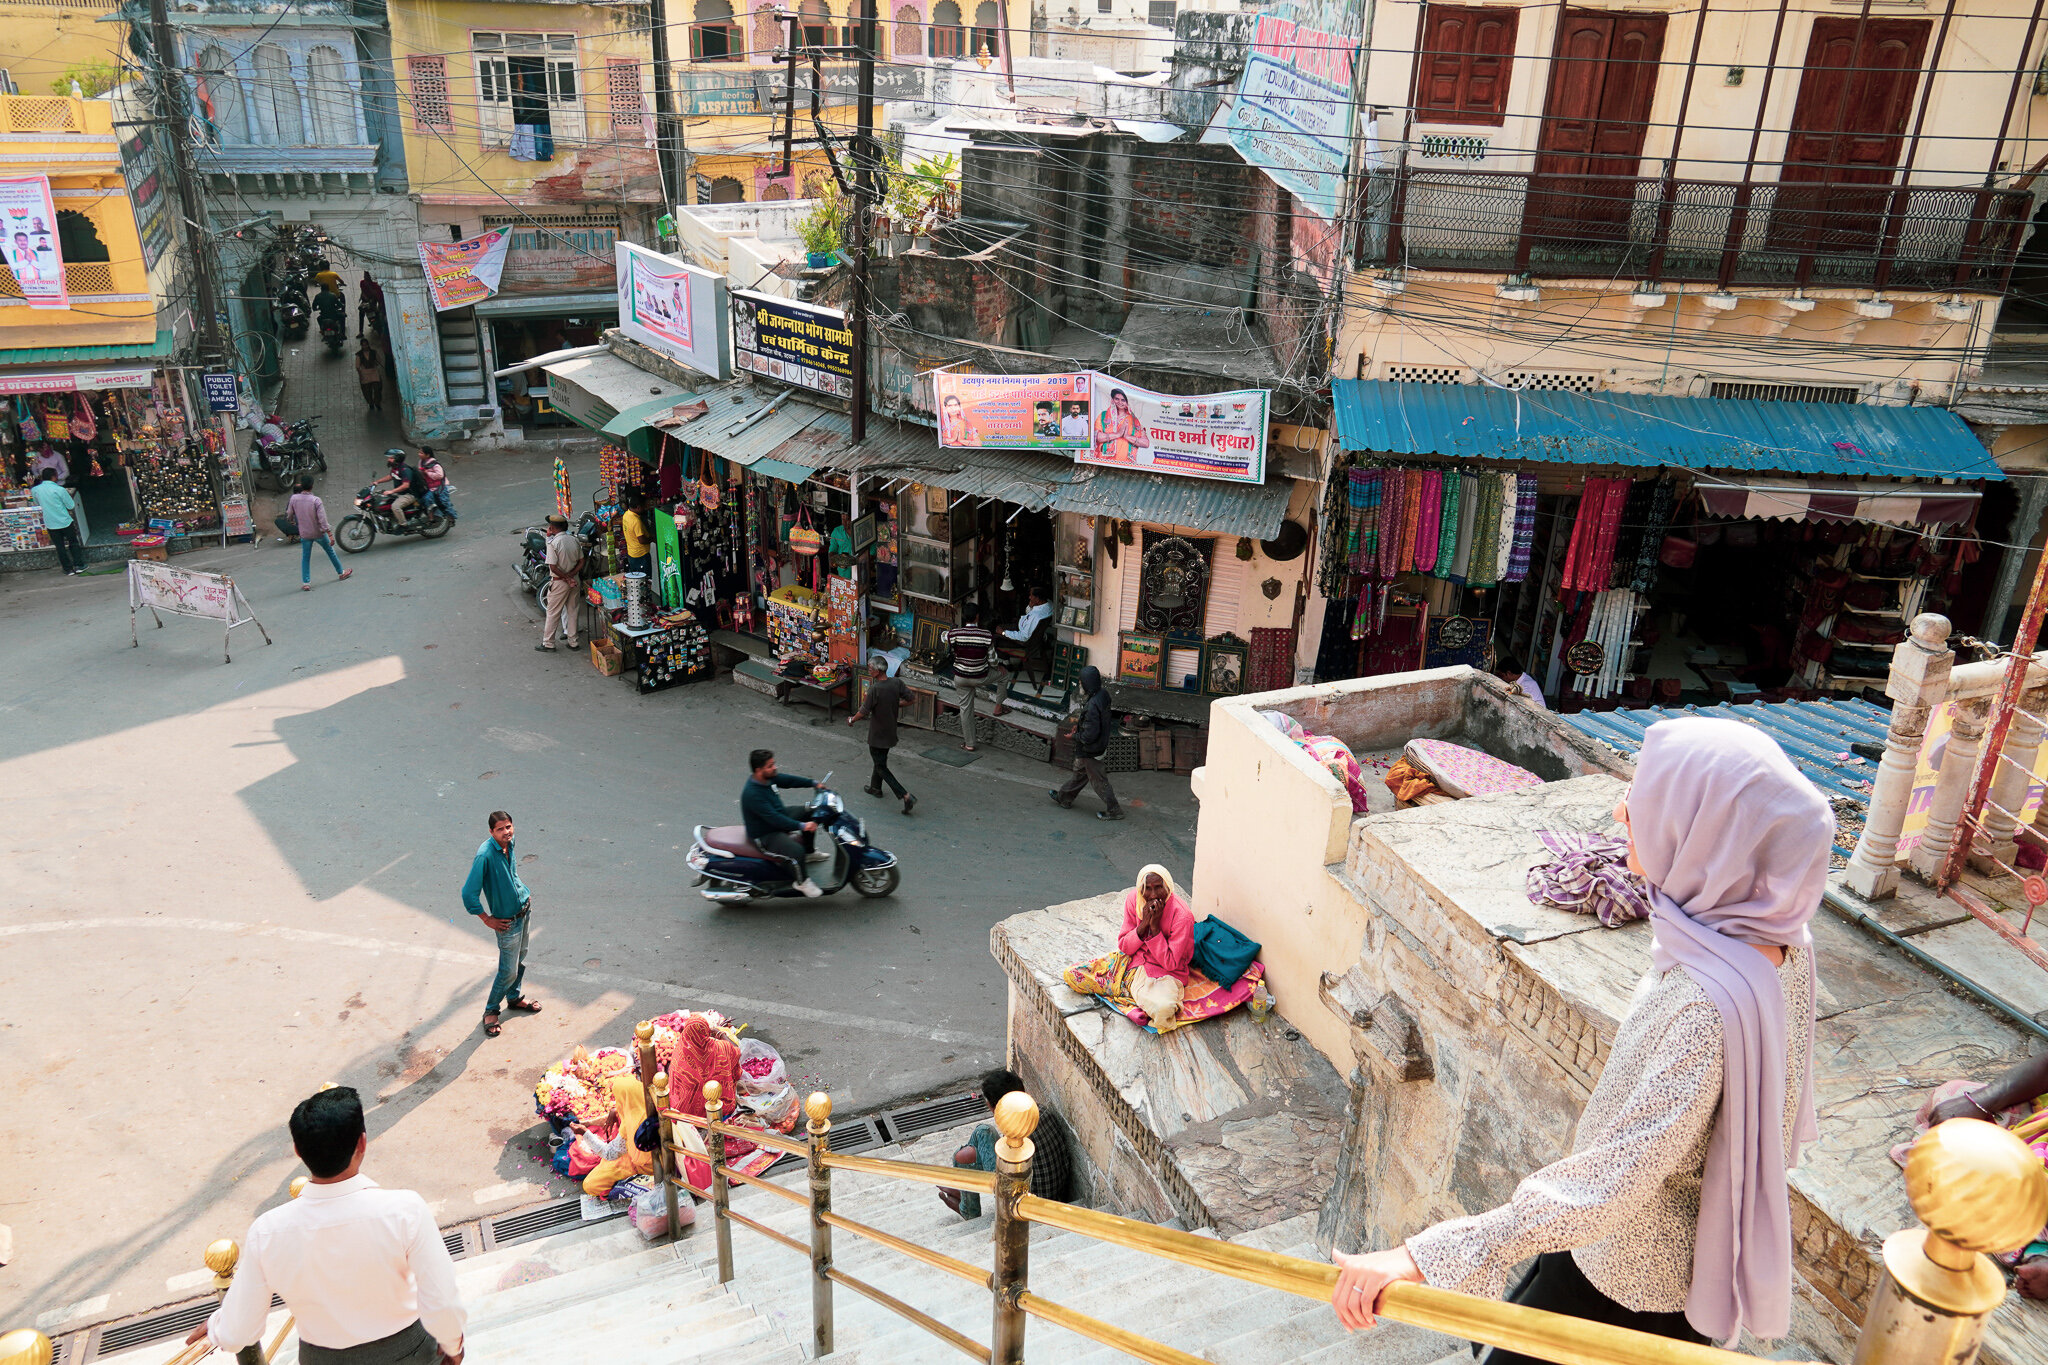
1013 411
463 273
28 239
792 343
674 308
1293 110
1198 436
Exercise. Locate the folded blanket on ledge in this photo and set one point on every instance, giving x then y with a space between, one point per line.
1108 979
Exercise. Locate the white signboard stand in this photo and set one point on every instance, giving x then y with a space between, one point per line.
188 592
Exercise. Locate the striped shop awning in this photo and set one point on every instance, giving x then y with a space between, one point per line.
1898 504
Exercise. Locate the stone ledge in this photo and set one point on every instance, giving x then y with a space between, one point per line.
1229 1123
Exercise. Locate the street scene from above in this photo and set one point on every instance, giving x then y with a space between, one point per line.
1211 680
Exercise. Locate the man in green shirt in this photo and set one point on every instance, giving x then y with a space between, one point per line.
494 878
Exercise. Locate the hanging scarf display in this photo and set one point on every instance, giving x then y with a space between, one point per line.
1411 520
1485 532
1628 536
1365 504
1393 497
1340 532
1657 525
1468 508
1525 529
1504 529
1429 527
1447 525
1590 558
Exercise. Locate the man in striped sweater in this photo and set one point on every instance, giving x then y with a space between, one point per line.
976 670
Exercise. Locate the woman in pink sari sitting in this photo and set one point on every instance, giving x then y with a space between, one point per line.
1153 950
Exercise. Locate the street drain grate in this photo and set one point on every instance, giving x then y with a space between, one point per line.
168 1322
514 1227
933 1116
457 1244
850 1137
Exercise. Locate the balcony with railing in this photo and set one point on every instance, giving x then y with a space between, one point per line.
1731 233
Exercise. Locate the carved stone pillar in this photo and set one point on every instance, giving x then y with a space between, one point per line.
1952 787
2009 786
1917 683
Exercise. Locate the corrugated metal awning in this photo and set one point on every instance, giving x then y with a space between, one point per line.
1893 502
1475 421
65 355
594 389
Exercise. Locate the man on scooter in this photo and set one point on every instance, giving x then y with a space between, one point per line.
774 827
406 480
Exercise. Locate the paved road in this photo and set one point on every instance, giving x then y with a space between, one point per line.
228 883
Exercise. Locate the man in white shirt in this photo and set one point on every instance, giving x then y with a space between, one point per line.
565 562
1037 610
1508 668
362 1269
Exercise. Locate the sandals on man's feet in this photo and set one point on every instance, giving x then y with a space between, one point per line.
524 1005
492 1026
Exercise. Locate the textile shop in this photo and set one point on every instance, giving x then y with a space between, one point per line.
1653 577
128 444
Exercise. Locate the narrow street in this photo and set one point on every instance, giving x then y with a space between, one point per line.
248 873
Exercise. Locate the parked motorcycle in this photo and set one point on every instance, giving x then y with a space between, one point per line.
733 871
532 564
358 531
288 456
292 315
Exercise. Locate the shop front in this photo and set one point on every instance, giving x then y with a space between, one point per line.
145 470
1628 550
520 329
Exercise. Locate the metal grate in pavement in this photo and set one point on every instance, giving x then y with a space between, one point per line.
932 1116
850 1137
165 1322
517 1227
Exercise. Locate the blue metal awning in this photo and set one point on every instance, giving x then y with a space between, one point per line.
1477 421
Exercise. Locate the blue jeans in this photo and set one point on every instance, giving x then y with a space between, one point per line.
439 497
306 545
511 963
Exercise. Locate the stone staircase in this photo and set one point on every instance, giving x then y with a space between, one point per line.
601 1293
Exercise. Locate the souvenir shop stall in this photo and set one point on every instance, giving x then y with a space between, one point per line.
127 446
659 624
1630 586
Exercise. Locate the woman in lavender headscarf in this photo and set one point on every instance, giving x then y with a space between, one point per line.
1671 1214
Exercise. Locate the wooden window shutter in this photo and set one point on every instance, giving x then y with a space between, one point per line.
430 109
1463 63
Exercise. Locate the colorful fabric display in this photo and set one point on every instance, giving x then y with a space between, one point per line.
1504 531
1525 529
1411 519
1447 525
1393 497
1468 507
1485 532
1657 525
1365 505
1429 527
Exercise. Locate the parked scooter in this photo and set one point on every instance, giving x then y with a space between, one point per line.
358 531
293 316
733 871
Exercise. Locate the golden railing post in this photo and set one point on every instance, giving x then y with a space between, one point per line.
26 1346
1977 1188
666 1168
819 1110
1016 1120
714 1142
221 1258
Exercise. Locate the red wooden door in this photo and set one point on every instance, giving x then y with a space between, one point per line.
1848 128
1602 78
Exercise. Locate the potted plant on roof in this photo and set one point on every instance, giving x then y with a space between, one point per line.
925 195
819 232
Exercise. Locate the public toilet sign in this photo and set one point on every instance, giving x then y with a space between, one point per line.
188 592
220 392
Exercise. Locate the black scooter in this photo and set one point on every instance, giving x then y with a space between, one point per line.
733 871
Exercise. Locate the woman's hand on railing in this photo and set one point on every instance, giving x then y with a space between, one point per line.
1362 1279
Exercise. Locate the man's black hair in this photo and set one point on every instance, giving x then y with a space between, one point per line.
1038 593
305 484
325 1129
970 612
1509 663
999 1083
47 476
497 818
757 758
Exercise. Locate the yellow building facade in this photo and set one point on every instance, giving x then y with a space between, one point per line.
44 43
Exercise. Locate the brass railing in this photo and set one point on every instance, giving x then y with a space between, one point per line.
1977 1187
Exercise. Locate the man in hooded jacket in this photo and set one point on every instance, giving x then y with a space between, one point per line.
1092 733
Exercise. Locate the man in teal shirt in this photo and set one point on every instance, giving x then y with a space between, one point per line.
60 519
494 878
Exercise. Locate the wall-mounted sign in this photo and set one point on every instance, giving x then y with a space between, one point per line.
557 253
1293 112
220 392
792 343
1016 411
715 93
28 239
463 273
674 308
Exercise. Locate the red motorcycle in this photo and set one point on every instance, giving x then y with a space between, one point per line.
358 532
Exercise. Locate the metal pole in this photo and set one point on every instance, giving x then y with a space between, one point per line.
221 1258
2020 71
1016 1120
864 160
819 1110
2009 689
714 1141
664 113
665 1155
171 89
1738 216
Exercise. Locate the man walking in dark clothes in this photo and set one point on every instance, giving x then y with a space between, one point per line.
885 699
1092 734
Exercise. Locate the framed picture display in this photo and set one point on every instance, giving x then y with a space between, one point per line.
1140 658
934 499
1225 662
864 532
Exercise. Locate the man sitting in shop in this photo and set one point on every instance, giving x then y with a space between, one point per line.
1508 668
1036 609
774 827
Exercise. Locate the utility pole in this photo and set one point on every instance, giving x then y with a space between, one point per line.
170 85
664 113
864 168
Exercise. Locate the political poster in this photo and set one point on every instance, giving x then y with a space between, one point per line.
792 343
1014 411
1293 110
28 239
674 308
1198 436
463 273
